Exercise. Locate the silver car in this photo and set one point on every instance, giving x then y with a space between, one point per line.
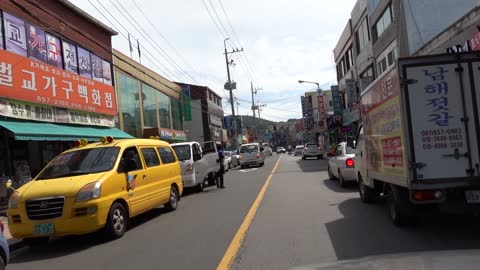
251 155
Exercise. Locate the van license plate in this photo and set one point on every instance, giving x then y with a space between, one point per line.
472 196
44 228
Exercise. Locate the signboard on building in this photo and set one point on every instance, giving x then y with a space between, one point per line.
33 81
215 120
179 135
37 48
84 63
321 112
54 54
15 36
70 56
336 100
350 115
46 113
351 91
165 134
187 109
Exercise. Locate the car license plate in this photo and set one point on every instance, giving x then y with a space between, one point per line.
44 228
472 196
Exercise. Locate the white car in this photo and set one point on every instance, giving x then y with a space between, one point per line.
311 150
341 165
299 150
251 154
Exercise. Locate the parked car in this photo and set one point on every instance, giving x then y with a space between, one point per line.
232 159
227 160
341 165
281 150
4 249
96 186
196 167
311 150
299 150
251 154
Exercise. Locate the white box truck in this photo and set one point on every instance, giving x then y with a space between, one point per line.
419 141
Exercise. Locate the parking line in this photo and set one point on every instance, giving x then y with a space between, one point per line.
237 240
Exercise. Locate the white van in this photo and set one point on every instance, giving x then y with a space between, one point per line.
195 168
251 154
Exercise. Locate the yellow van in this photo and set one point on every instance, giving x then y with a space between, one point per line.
96 186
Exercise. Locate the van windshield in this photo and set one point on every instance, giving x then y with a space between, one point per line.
249 148
81 162
183 152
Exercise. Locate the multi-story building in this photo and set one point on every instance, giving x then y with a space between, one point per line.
56 83
148 104
206 123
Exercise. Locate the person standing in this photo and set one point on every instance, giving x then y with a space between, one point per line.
221 158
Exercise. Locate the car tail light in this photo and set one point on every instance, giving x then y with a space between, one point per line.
350 163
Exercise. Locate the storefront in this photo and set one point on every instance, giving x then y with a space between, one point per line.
148 104
55 85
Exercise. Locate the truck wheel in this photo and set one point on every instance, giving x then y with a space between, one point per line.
367 194
117 221
173 200
400 208
200 187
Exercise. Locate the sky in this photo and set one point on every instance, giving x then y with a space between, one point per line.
283 41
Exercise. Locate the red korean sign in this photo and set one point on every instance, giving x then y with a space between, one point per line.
29 80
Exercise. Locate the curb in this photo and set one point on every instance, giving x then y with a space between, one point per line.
15 244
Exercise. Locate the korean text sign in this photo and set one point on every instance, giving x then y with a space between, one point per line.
29 80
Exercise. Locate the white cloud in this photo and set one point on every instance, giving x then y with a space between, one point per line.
284 41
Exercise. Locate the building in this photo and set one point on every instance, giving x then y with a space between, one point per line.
206 122
148 104
55 83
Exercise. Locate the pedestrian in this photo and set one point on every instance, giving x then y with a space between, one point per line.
221 158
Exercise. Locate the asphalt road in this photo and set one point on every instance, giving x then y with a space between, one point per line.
304 218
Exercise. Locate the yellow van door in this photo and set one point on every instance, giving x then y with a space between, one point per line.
136 186
153 176
171 168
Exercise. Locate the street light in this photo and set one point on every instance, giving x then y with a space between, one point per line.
318 85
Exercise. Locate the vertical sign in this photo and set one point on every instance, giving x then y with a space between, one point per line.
36 43
84 63
321 111
70 57
97 67
351 89
54 51
336 100
1 31
16 40
187 110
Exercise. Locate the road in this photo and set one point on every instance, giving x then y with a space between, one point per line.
304 218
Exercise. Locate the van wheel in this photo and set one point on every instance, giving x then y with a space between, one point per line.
173 201
367 194
117 221
341 180
200 187
400 208
36 242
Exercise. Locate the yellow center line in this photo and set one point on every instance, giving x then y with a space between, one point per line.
237 240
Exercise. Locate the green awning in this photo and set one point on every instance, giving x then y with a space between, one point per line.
42 131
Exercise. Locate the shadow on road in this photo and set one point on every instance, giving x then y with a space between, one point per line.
312 165
64 246
333 185
366 230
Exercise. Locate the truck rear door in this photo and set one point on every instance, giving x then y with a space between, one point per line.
442 116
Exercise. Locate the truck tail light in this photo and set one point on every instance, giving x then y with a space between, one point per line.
258 155
350 163
427 195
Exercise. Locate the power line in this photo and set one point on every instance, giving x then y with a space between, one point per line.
211 16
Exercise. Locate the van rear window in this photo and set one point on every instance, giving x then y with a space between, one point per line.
248 148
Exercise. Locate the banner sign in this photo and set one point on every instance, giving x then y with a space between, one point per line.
351 90
166 134
33 81
321 112
179 135
106 72
336 100
46 113
84 63
15 37
97 68
70 57
54 51
215 121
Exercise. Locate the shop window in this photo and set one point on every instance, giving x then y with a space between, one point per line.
177 120
164 110
130 105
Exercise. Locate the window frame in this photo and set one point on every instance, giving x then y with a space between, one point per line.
139 161
144 158
171 152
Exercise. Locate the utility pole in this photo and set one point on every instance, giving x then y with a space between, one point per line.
230 86
254 108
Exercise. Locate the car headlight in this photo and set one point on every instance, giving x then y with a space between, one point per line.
13 201
89 192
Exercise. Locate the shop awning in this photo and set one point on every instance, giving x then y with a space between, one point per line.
40 131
